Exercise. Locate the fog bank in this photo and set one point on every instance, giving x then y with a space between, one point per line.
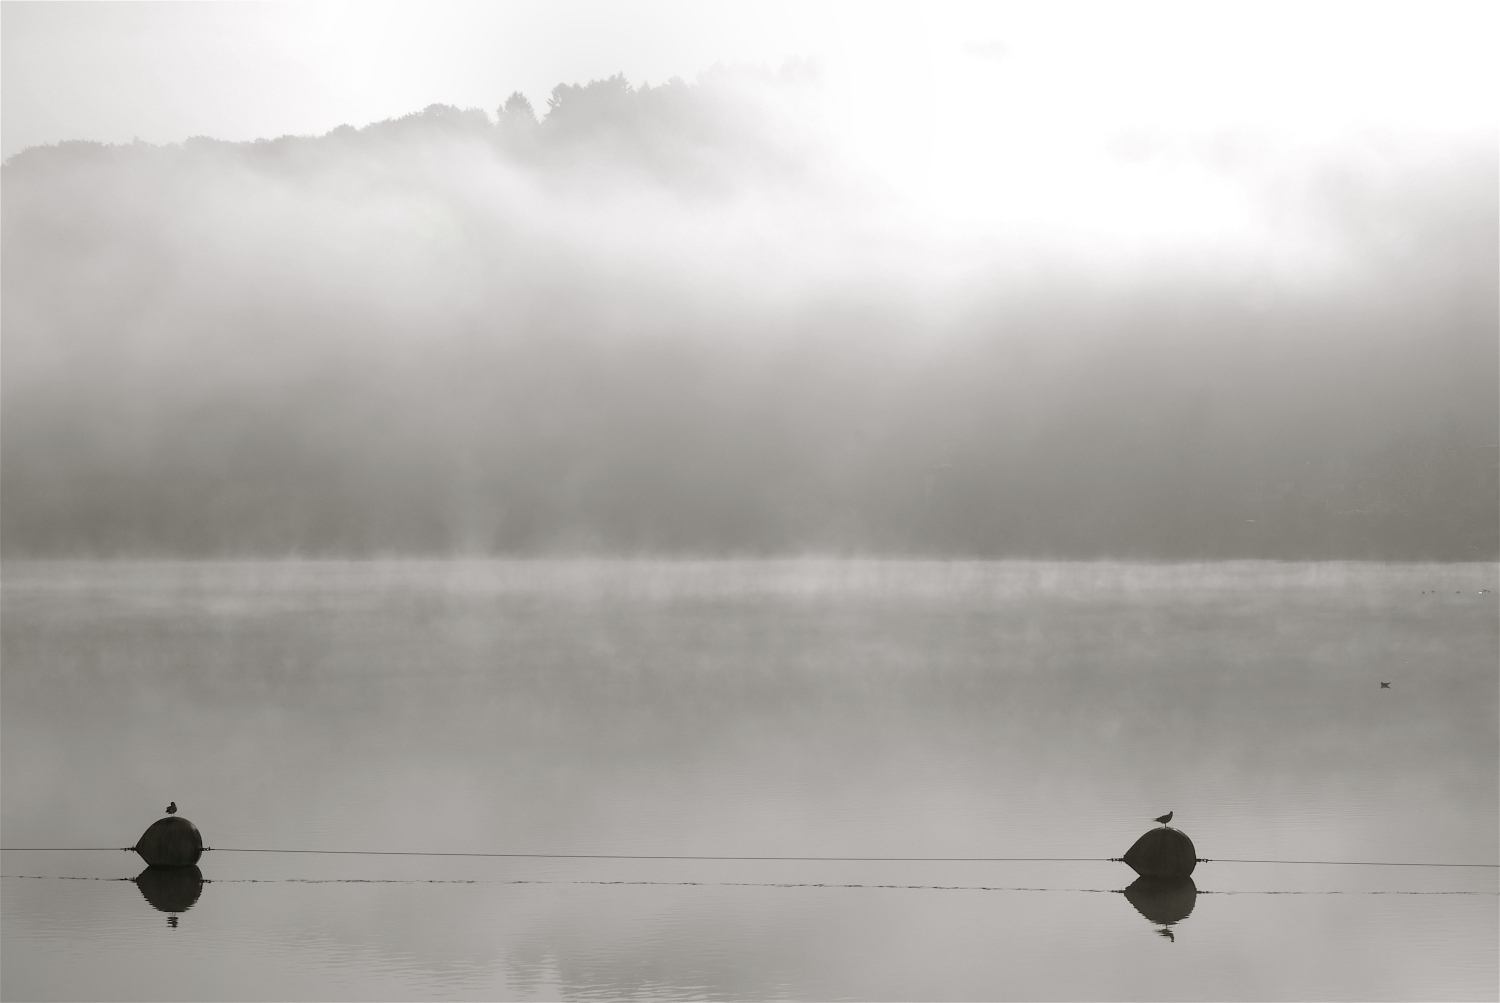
675 319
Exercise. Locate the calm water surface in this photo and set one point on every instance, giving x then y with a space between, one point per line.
799 708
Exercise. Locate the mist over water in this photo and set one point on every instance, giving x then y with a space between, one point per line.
680 319
857 492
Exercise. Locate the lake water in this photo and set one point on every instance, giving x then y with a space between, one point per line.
754 709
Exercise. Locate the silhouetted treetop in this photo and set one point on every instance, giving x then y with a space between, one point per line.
517 108
435 118
700 134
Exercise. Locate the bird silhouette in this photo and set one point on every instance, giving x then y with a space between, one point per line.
1385 686
1165 818
172 808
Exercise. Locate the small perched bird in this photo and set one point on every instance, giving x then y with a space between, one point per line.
172 808
1165 818
1385 686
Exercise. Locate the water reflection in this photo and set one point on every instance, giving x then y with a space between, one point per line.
759 708
1164 901
171 889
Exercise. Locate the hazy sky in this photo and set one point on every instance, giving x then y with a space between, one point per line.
1013 89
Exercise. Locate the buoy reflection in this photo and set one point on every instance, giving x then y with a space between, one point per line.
171 889
1164 901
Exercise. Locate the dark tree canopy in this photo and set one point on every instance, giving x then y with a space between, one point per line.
517 109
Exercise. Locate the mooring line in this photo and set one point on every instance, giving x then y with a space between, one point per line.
1339 863
62 849
678 856
657 856
1341 892
706 884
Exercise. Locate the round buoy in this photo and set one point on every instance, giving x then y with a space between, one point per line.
1163 900
1162 853
170 842
171 889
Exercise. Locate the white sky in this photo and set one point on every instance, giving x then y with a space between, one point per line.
1004 97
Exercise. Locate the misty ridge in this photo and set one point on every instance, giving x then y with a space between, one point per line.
672 320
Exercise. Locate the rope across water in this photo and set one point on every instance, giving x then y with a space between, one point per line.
680 856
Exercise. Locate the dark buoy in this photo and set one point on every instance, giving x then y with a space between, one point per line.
1163 901
1162 853
171 889
170 842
